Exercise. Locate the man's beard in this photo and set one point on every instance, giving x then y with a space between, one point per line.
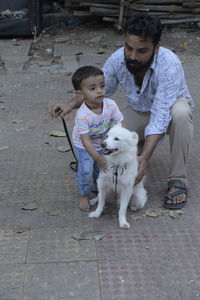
134 66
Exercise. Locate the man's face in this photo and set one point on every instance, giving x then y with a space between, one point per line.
138 53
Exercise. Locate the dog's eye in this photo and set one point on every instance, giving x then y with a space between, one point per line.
116 139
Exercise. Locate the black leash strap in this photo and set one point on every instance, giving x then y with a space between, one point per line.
73 164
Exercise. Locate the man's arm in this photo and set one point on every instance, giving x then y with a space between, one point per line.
149 147
66 108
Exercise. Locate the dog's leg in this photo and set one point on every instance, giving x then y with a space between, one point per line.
125 196
101 204
139 198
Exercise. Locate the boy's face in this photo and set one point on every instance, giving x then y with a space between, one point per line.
93 90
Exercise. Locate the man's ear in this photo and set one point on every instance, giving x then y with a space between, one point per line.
157 46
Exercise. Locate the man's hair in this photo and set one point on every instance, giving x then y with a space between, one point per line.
84 73
145 26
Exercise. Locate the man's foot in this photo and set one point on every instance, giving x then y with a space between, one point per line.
84 204
176 197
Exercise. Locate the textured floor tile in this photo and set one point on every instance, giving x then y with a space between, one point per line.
56 281
134 280
13 246
187 275
11 281
57 245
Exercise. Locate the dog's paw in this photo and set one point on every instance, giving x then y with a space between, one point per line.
125 225
134 207
94 214
93 201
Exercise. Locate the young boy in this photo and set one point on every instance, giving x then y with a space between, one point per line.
92 122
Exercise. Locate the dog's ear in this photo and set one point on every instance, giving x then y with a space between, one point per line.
135 136
118 125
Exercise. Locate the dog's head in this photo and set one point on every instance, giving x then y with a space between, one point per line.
119 139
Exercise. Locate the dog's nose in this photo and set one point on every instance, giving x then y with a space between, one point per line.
103 144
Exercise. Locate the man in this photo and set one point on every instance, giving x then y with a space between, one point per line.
159 102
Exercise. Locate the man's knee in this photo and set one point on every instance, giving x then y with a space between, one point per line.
181 110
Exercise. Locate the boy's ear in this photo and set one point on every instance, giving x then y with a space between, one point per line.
78 92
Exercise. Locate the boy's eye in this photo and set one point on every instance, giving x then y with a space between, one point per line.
116 139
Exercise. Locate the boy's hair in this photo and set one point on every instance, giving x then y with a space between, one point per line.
144 26
84 73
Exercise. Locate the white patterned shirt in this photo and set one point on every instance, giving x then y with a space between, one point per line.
162 85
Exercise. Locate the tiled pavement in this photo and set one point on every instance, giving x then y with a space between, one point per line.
157 259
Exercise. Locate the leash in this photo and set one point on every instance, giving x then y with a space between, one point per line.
115 176
73 164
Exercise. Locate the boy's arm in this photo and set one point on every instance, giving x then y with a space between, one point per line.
85 138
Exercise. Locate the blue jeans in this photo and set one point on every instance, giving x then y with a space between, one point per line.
88 171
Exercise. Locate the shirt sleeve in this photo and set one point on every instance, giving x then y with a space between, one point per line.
116 114
111 81
166 94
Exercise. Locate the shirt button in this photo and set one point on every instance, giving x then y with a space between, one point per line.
138 91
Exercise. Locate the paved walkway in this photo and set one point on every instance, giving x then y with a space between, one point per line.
158 258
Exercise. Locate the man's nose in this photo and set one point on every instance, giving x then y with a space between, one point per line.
133 55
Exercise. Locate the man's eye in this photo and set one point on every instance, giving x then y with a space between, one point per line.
116 139
142 51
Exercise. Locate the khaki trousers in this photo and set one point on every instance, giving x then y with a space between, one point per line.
180 133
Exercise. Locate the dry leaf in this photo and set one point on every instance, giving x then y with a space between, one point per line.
89 235
100 51
30 206
175 213
17 121
22 229
135 217
3 148
63 149
151 213
52 212
57 133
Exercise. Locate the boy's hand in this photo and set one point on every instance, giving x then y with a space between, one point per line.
102 164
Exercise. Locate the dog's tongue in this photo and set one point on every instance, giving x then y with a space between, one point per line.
108 151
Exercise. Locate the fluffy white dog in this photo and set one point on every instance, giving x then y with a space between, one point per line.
120 150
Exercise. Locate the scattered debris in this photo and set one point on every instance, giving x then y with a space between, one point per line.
50 144
89 235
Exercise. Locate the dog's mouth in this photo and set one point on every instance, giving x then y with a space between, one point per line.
107 151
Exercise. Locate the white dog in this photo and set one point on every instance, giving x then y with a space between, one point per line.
120 149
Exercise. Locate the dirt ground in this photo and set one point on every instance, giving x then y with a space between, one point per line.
180 39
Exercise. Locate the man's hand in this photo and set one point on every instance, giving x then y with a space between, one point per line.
64 109
142 168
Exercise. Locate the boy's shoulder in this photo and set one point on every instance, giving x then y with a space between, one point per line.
109 103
